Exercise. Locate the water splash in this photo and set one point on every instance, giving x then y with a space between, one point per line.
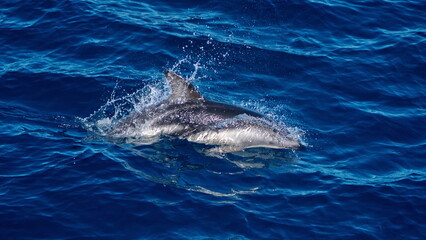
116 108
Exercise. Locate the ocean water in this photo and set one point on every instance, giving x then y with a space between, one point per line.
348 77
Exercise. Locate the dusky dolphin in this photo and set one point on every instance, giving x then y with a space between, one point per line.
188 115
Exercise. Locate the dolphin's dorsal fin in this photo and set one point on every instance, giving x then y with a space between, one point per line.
182 90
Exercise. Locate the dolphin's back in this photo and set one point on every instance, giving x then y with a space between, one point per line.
228 111
200 113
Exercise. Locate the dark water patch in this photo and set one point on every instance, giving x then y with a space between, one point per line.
48 91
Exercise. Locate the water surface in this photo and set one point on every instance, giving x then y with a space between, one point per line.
347 76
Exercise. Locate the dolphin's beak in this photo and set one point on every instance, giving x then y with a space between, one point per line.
294 144
300 147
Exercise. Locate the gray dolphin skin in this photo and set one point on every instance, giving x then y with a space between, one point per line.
188 115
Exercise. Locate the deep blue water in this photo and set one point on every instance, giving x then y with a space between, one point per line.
349 77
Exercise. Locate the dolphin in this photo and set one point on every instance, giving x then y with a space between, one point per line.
188 115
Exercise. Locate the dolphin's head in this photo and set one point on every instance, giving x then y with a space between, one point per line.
290 142
264 133
277 137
